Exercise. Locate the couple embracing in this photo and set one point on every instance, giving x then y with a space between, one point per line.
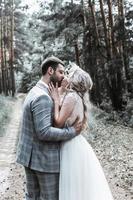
59 163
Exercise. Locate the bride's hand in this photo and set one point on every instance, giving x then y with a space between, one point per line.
54 92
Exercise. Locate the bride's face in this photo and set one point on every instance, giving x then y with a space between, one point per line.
65 82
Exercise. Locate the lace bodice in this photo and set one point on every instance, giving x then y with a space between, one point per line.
75 102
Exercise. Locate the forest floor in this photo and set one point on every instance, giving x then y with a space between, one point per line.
111 141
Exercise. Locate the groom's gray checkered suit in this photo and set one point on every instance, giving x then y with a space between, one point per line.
39 143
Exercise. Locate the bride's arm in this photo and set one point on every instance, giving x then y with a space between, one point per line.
61 115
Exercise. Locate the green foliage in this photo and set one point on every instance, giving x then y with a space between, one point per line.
5 112
28 81
57 28
21 44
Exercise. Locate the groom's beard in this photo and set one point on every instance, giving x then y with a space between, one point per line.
54 80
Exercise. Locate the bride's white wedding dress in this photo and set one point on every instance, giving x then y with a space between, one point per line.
81 175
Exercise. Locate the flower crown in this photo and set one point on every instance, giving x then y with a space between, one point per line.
71 69
82 75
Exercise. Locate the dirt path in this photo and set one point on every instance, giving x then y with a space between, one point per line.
11 174
112 144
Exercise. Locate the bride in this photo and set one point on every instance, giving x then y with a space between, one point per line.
81 175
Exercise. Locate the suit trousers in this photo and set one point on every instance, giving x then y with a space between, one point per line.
41 185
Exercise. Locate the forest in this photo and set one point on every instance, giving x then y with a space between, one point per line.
95 34
98 36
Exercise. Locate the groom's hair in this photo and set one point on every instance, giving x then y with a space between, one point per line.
50 62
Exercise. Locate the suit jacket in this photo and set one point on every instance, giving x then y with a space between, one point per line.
39 142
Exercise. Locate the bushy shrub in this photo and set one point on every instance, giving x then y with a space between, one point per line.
5 112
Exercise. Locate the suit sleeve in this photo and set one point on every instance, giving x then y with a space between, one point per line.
42 116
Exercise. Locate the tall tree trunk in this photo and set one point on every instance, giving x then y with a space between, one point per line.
122 46
92 7
111 32
93 49
84 15
2 54
8 50
77 53
4 48
109 55
12 50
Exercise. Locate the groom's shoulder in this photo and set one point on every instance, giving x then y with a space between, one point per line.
37 93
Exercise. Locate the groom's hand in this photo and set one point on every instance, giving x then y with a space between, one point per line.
78 125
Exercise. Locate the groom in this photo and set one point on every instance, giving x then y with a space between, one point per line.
39 142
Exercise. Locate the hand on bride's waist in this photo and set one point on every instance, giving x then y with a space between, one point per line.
78 126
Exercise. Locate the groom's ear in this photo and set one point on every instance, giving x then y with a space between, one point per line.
50 71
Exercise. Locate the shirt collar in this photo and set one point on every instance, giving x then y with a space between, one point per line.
42 82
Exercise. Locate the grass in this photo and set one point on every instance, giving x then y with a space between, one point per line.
6 106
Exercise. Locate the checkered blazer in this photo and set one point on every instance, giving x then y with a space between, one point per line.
39 142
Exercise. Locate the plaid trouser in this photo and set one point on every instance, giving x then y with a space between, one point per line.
41 186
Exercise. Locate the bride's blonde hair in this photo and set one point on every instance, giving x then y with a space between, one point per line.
81 82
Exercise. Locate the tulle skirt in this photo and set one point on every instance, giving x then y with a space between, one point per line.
81 175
